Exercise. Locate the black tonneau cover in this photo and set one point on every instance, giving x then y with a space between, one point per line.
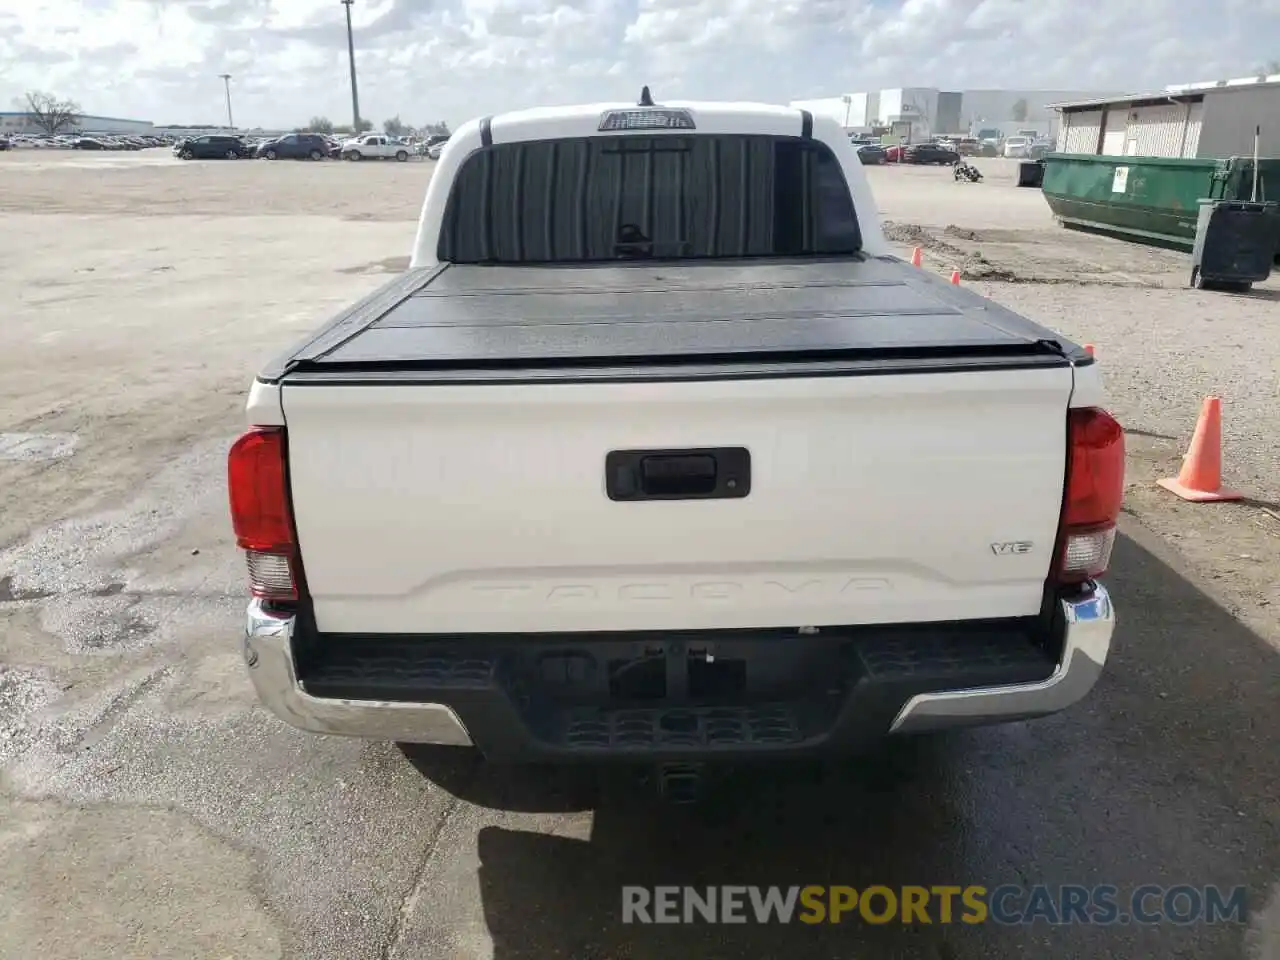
455 320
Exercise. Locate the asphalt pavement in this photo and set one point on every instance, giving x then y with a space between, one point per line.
1167 775
149 808
179 819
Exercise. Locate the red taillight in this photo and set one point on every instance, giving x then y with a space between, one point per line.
260 514
1094 491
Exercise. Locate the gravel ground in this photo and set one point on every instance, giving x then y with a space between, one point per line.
149 809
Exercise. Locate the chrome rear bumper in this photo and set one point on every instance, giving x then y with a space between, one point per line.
1089 624
268 651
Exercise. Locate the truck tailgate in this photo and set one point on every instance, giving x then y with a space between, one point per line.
483 507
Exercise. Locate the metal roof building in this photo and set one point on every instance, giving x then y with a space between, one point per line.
1210 120
19 122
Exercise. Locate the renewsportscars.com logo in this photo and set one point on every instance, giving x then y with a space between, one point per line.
1011 905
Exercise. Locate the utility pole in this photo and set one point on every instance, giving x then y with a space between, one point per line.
226 82
351 52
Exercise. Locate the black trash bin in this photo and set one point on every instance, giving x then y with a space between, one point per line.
1236 241
1031 174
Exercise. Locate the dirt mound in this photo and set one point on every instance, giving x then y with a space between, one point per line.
910 233
1007 256
980 269
918 236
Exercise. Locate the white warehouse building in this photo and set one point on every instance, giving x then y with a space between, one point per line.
1212 120
20 122
919 112
853 111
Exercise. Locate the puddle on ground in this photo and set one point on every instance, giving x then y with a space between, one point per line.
36 447
385 265
79 576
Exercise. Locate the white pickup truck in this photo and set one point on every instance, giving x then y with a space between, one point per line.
374 147
658 452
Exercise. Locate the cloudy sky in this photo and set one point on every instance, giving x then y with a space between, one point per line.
428 60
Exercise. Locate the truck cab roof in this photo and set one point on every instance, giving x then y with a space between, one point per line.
665 118
709 116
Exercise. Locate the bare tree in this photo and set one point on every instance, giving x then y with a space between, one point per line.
1018 112
393 127
320 125
365 125
51 113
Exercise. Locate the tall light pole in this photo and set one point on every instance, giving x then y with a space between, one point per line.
351 52
226 82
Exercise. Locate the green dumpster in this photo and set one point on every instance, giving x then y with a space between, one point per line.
1149 199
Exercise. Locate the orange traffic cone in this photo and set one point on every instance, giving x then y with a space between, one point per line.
955 277
1088 348
1200 479
917 257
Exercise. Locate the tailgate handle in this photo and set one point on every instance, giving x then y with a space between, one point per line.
693 474
704 474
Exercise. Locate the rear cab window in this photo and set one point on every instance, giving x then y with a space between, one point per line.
696 196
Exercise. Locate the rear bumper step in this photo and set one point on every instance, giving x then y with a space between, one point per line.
677 696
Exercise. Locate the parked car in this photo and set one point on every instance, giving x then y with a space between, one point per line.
295 146
871 153
435 146
213 147
598 528
4 143
1040 147
374 146
91 143
930 153
1017 148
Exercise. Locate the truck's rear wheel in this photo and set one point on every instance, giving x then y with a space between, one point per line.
402 156
352 155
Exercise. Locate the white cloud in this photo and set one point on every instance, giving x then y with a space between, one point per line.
453 59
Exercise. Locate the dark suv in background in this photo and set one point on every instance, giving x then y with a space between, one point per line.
212 147
931 153
296 146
